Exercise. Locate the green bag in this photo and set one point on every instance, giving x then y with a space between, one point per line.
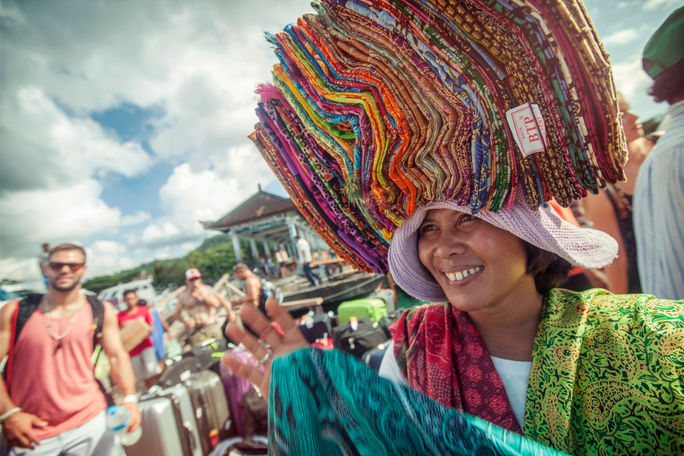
173 349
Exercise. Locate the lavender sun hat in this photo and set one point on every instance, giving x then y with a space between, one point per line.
542 228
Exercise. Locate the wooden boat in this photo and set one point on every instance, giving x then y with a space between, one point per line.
340 288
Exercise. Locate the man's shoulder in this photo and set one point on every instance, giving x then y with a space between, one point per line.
253 279
207 288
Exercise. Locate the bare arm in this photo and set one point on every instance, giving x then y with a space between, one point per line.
226 305
122 370
165 324
18 429
601 212
178 314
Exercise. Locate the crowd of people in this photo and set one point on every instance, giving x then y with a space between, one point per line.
537 368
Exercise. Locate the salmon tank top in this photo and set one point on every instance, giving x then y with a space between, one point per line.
55 381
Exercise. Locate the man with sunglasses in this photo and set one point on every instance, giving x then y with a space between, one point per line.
54 404
200 302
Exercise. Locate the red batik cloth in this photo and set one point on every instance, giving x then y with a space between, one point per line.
441 354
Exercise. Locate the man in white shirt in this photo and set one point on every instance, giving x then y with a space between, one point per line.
304 254
659 192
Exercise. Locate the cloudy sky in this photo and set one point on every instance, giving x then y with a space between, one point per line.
124 123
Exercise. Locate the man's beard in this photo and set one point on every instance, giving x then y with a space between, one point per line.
68 287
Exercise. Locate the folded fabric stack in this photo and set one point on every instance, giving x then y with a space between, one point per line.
379 107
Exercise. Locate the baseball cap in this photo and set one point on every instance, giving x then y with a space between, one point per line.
542 228
192 273
665 48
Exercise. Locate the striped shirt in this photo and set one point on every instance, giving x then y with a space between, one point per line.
659 213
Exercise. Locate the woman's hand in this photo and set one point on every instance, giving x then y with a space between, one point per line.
291 340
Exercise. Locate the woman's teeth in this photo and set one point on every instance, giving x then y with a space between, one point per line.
460 275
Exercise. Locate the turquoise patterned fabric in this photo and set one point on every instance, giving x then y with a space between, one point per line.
329 403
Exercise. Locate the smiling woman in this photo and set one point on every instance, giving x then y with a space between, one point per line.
426 137
479 267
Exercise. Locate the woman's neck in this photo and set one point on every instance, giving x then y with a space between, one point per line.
509 334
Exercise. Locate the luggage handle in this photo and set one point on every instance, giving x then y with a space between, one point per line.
193 441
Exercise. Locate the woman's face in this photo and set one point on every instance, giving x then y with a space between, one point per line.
633 129
479 266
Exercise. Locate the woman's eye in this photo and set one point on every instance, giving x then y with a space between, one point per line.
425 229
466 218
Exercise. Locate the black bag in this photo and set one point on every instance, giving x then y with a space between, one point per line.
367 336
255 413
246 447
320 329
387 320
209 355
179 371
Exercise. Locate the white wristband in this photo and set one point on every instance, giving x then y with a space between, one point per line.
130 399
5 416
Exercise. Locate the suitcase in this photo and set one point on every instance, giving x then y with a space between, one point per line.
374 308
236 387
179 371
211 407
168 424
367 336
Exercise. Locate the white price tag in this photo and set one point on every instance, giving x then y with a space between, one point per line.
528 128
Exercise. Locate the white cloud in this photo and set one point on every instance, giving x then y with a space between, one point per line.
623 36
660 4
107 256
43 146
191 196
630 79
56 215
135 219
63 62
23 269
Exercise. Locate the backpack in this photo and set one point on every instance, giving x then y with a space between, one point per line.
267 289
23 312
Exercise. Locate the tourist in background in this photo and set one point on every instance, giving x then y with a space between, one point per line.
659 192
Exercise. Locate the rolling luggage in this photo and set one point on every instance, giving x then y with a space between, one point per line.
211 407
374 308
367 335
179 371
236 387
168 424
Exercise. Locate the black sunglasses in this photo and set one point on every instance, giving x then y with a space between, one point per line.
73 267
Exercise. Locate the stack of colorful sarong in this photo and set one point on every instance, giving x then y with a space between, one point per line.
379 107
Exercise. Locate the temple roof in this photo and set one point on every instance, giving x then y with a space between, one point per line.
259 206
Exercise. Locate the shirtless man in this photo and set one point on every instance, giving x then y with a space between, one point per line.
200 302
253 295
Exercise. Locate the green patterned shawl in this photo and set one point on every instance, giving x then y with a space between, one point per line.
607 374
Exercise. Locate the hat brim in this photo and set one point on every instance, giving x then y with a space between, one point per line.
542 228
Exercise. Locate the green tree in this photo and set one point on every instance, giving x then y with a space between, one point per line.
214 257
